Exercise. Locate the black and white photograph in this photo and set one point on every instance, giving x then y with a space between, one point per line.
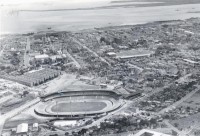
99 67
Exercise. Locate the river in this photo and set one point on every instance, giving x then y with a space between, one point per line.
78 19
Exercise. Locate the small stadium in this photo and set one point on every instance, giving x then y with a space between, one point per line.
78 104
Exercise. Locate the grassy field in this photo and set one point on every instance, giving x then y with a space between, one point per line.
78 107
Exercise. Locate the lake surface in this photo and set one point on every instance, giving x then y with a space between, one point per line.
32 20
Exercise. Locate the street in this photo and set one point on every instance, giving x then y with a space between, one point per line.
5 117
94 53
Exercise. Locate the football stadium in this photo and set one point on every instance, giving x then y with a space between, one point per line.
78 104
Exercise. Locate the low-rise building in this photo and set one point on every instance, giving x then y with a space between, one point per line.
35 127
146 132
41 57
22 129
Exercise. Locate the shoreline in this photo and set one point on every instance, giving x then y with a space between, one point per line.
96 28
78 20
118 4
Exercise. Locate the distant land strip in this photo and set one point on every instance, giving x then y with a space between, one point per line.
194 12
153 4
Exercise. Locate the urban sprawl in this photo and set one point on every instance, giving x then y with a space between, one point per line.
128 80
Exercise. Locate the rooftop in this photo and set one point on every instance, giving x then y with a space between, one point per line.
43 56
22 128
133 53
145 132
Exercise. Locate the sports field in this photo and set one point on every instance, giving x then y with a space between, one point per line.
78 106
78 103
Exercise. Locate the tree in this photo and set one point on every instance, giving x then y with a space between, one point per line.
67 133
176 125
82 131
188 109
153 121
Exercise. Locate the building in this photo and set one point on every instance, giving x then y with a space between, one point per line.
66 123
22 129
35 127
34 78
111 54
42 57
146 132
127 54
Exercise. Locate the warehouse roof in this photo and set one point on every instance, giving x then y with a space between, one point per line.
22 128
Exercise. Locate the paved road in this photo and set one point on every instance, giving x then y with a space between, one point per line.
5 117
196 126
135 66
180 101
94 53
73 59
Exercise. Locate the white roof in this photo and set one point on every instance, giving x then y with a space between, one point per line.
56 56
111 53
22 128
43 56
35 125
65 123
154 133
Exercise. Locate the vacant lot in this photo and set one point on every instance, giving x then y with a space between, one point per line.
193 102
187 122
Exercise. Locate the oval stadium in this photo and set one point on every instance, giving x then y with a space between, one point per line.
78 104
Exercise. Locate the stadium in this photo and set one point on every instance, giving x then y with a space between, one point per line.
78 104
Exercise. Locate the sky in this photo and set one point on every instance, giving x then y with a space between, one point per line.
40 1
50 4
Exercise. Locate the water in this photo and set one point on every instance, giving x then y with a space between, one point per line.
73 20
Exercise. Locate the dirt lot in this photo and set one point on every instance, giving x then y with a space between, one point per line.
188 122
22 118
192 120
193 102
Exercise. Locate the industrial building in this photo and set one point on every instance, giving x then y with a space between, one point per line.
34 78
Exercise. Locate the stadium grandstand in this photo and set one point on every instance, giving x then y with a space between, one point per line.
78 104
